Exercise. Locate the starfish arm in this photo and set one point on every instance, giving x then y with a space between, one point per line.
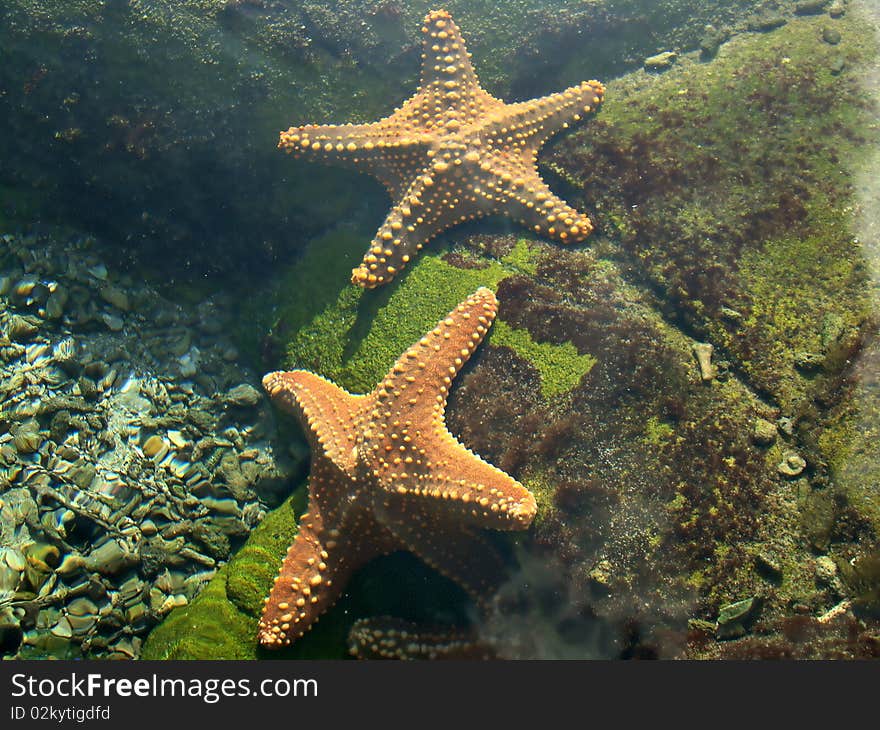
422 213
530 123
527 199
307 584
416 387
383 149
461 553
446 63
453 481
330 545
384 637
408 444
330 415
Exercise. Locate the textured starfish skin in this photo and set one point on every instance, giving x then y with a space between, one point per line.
452 153
387 474
383 637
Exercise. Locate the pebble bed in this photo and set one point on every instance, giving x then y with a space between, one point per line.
136 452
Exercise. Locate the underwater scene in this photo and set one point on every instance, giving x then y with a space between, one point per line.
391 329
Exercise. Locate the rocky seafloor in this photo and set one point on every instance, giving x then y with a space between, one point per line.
691 394
136 453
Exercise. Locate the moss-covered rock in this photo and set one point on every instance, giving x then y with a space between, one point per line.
728 186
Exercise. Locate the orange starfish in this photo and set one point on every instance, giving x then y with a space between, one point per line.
386 474
452 153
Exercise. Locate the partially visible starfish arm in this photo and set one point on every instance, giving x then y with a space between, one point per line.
383 637
306 584
463 554
382 149
535 206
421 214
325 408
347 142
541 118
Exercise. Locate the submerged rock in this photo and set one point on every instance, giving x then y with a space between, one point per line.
660 61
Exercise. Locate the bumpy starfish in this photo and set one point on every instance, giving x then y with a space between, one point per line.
386 474
452 153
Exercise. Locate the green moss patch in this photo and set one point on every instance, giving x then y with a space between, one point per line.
560 366
355 337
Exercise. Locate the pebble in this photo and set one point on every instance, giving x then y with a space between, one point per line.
764 433
703 352
113 322
786 426
792 465
660 61
734 618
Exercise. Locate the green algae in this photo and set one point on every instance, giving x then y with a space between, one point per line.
728 185
354 338
561 366
790 281
657 432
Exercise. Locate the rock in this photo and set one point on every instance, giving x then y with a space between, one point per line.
27 441
786 426
110 558
826 569
113 322
661 61
710 42
764 22
764 433
837 8
703 352
22 328
818 518
808 362
792 465
243 396
82 475
810 7
155 447
734 619
831 36
768 566
55 303
115 297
